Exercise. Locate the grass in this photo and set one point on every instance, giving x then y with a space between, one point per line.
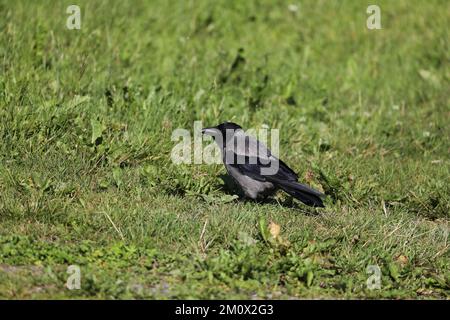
86 118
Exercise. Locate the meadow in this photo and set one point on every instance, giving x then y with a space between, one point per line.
86 177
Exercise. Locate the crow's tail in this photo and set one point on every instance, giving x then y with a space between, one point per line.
302 192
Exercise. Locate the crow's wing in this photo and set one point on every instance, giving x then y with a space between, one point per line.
253 159
246 145
283 179
257 168
253 155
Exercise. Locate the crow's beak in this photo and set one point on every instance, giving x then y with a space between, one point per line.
209 131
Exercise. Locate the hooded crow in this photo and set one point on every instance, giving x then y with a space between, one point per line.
254 169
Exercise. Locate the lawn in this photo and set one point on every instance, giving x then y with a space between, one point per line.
86 176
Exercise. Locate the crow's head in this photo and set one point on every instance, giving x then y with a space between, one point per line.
222 132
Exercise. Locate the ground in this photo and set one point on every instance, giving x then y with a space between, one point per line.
86 176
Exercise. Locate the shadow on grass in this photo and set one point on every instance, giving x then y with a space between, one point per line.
230 187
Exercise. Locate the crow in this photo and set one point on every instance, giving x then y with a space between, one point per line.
254 169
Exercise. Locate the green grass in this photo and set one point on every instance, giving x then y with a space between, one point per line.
86 118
